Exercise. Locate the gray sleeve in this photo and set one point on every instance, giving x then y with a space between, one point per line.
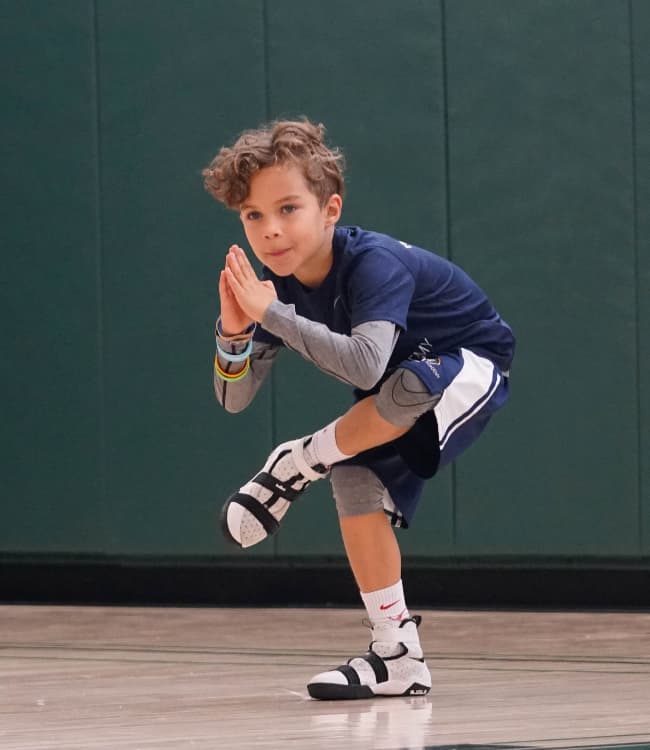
235 397
359 359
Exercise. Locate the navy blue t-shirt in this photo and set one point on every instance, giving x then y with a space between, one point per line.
376 277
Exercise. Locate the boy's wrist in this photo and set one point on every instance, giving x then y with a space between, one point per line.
242 336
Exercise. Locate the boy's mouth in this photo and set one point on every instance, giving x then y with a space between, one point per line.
278 253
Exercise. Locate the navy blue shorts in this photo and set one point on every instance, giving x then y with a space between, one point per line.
471 389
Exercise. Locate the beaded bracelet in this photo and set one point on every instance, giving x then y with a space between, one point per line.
228 377
236 356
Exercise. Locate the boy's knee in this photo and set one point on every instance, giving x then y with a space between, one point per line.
357 490
403 397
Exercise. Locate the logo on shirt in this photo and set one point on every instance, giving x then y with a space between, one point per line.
423 351
431 364
423 354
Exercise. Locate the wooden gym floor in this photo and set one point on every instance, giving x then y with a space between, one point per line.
78 678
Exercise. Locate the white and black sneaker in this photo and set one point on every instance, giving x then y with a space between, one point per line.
393 665
254 513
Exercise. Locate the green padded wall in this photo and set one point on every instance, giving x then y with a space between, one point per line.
175 83
50 483
641 60
514 137
542 215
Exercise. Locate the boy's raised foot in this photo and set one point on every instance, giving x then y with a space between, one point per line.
393 665
254 512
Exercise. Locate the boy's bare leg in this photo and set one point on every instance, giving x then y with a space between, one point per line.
394 663
369 539
362 428
372 550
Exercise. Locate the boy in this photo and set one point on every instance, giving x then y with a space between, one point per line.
427 355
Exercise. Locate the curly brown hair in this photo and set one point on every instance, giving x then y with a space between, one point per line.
298 142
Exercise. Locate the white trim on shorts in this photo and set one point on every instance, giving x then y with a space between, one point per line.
466 395
394 514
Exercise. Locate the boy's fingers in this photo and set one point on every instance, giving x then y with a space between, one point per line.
233 281
243 261
241 268
223 282
224 286
232 265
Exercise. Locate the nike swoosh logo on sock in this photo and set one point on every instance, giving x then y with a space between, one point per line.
388 606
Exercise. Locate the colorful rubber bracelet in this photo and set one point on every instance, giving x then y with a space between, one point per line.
236 357
228 377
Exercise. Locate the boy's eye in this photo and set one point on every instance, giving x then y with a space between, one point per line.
253 215
288 209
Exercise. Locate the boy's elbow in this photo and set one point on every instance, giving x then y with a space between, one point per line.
367 379
232 405
365 384
371 365
234 408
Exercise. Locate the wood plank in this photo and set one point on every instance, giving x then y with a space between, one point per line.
118 678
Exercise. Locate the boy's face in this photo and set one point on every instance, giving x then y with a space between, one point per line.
286 227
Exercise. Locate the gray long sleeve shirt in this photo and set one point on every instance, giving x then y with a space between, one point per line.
358 360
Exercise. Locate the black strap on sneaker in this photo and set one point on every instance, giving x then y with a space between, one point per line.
256 509
350 674
278 488
403 650
377 664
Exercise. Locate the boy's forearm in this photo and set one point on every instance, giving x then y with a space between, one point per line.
358 360
236 396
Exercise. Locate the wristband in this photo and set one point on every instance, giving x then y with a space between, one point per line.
228 377
243 336
236 357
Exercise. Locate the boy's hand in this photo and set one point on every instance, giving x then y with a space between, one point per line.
252 295
233 319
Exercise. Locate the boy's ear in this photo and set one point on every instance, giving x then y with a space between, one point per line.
333 208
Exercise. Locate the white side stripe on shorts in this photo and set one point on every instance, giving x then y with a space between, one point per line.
473 387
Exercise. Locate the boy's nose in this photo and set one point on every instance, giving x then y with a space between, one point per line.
270 232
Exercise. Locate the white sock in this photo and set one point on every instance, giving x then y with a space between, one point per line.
323 449
386 604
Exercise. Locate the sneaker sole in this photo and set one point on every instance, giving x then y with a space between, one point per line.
325 691
223 525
